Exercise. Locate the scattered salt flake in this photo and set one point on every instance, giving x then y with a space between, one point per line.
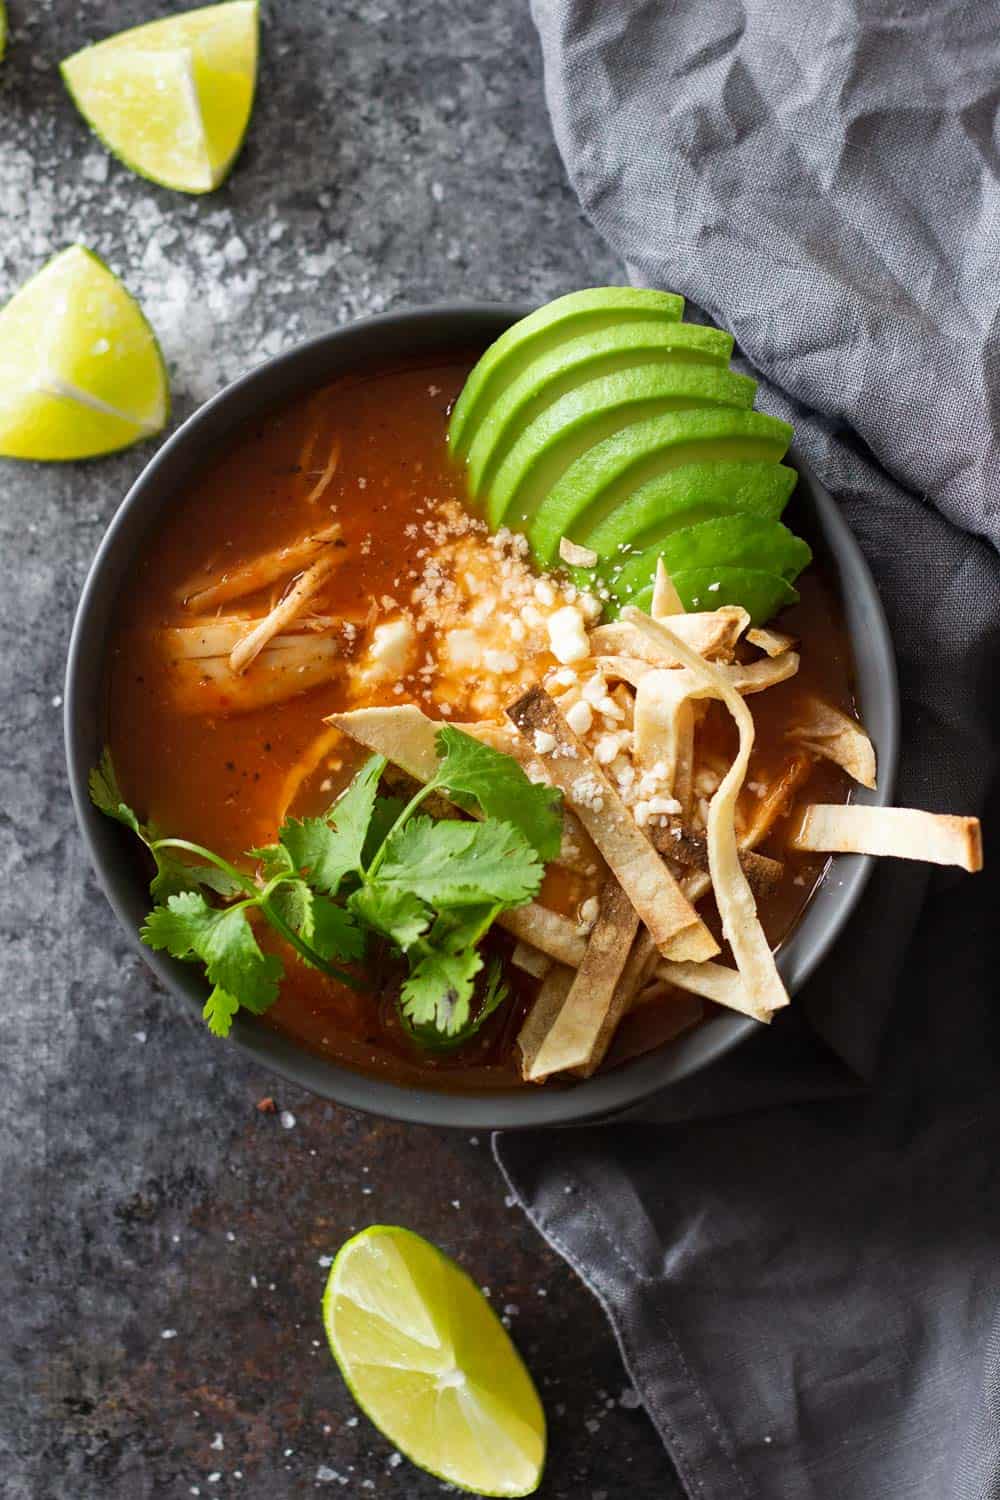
217 1443
394 1460
287 1119
473 1140
542 1292
352 1422
456 1203
214 1478
253 1282
326 1475
57 701
510 1201
140 1036
325 1260
230 1236
168 1333
630 1399
592 1426
511 1309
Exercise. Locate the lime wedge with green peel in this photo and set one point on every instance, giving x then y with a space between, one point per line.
429 1362
172 99
544 330
80 370
571 364
589 414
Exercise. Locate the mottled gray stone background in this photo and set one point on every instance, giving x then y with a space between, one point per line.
162 1241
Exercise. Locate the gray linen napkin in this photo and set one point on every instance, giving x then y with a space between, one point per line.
804 1275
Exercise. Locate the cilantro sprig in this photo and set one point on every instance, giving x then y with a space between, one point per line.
371 868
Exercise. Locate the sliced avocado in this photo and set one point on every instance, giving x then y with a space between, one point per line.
605 476
592 412
761 594
595 353
565 318
683 496
746 542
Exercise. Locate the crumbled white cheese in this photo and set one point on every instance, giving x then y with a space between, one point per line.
545 743
587 792
580 717
661 806
606 749
545 593
501 662
567 635
392 649
463 648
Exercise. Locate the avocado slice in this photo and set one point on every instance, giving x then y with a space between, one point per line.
596 353
592 412
604 478
691 493
760 594
567 317
737 541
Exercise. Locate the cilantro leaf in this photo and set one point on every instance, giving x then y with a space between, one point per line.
501 788
333 934
462 926
439 989
461 864
274 859
224 941
174 876
331 847
396 914
384 814
220 1008
106 796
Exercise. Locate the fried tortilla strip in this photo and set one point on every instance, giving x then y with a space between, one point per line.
544 1012
247 578
406 736
712 982
666 599
548 931
677 929
628 669
776 801
733 895
771 642
833 735
632 979
711 633
575 555
318 751
586 1021
287 609
687 848
894 832
530 960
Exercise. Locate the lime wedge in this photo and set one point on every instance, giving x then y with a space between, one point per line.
80 369
427 1359
3 29
172 99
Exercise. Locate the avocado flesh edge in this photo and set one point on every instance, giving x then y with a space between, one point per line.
735 541
606 476
507 356
718 487
547 379
761 594
593 412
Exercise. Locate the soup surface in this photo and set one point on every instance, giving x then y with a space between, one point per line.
369 451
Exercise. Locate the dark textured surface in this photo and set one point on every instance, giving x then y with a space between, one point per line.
399 153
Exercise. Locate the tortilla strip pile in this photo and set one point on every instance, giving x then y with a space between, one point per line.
648 938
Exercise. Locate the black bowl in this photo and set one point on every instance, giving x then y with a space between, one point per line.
389 337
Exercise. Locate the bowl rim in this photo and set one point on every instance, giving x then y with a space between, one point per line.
436 327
